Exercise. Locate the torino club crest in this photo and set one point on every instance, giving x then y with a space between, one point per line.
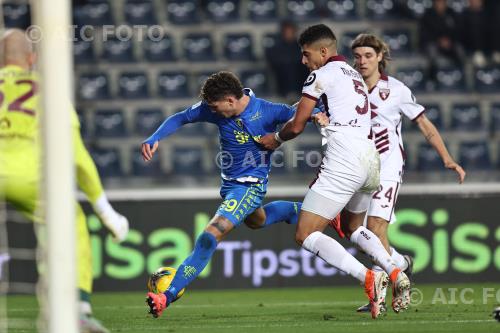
384 93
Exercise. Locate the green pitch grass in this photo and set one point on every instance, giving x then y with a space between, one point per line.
286 310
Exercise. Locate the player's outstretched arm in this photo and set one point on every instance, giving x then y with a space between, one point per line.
169 126
293 127
432 135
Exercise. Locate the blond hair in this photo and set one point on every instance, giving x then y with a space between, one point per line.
376 43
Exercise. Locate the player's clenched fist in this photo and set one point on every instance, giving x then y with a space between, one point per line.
269 141
148 150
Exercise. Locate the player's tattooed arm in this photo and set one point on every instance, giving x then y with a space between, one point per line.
217 225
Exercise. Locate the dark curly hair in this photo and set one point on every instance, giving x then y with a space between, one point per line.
220 85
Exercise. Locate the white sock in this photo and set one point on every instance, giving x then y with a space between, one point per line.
335 254
399 259
85 308
371 245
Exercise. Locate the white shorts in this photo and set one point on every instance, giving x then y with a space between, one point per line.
384 200
349 173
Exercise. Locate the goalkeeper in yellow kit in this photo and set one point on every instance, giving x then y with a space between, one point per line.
20 159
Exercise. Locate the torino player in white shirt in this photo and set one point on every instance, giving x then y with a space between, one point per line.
350 168
390 99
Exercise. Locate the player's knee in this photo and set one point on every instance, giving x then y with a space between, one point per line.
207 240
300 236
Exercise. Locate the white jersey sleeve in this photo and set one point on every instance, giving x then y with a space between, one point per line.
313 87
409 105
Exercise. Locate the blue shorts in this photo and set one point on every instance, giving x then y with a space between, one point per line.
240 200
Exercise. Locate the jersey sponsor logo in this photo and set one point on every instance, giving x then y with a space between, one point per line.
384 93
241 137
310 80
256 116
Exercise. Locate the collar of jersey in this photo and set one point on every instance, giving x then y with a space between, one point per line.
337 57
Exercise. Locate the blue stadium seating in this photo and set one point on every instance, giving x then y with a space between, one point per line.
147 121
84 129
238 47
193 130
93 86
173 84
159 50
183 11
413 77
256 80
434 114
466 117
450 79
133 85
16 15
418 7
116 50
487 80
341 10
187 160
399 41
307 158
302 10
262 10
458 5
495 118
109 123
380 9
140 12
345 42
108 161
146 169
95 13
428 159
269 40
223 11
475 156
83 51
198 47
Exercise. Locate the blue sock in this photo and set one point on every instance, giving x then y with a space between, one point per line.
282 211
192 265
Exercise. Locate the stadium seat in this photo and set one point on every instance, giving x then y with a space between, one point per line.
380 9
458 5
198 47
413 77
193 130
466 117
302 10
418 7
140 12
83 52
238 47
187 160
345 42
262 10
151 168
257 80
428 159
109 123
183 11
399 41
133 85
223 11
93 86
97 13
475 156
147 121
16 15
495 118
487 80
116 50
173 84
450 79
269 40
159 50
307 158
341 10
108 161
433 113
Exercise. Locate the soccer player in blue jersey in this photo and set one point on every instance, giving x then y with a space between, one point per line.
242 119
